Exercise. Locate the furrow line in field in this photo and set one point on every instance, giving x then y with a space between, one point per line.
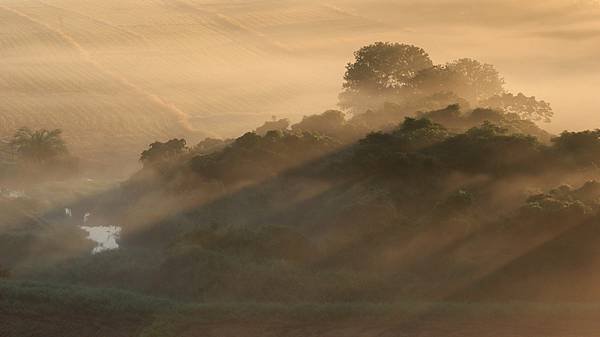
181 116
101 22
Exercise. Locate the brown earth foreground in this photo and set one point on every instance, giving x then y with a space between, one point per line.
477 320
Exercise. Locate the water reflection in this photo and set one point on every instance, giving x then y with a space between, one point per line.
105 237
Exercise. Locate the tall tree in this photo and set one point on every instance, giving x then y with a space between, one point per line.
39 146
479 81
380 69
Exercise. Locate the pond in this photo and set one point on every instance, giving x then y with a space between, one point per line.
105 237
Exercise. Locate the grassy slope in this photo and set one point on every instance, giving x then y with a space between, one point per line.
31 309
561 268
142 71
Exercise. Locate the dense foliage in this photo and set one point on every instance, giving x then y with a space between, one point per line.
446 190
36 155
404 74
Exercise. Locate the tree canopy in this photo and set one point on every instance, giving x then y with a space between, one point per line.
467 78
159 152
39 146
404 74
525 107
380 69
275 124
252 156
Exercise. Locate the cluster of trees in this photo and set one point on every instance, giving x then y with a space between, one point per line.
455 119
420 156
252 156
385 83
422 146
331 123
159 152
358 200
274 125
404 74
429 147
498 138
565 201
462 123
414 181
247 158
520 105
579 148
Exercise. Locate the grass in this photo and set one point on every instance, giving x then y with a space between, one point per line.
162 317
16 295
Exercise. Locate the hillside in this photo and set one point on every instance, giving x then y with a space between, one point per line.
166 69
28 308
412 230
147 70
298 168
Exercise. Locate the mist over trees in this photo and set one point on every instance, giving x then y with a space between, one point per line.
380 70
274 125
431 184
303 200
521 105
159 152
404 74
39 146
456 115
37 155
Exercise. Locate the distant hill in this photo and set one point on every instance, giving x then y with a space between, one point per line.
115 79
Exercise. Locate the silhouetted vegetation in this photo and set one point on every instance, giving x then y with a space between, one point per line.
404 74
381 70
431 184
40 146
252 157
159 152
274 125
37 155
292 213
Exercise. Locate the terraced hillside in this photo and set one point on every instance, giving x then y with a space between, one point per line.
49 79
141 70
145 70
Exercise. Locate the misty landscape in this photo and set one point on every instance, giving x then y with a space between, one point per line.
246 168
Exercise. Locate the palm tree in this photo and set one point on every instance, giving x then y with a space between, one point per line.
39 146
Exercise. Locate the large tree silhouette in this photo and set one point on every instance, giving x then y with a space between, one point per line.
39 146
381 69
403 74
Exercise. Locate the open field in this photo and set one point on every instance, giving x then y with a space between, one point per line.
147 70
